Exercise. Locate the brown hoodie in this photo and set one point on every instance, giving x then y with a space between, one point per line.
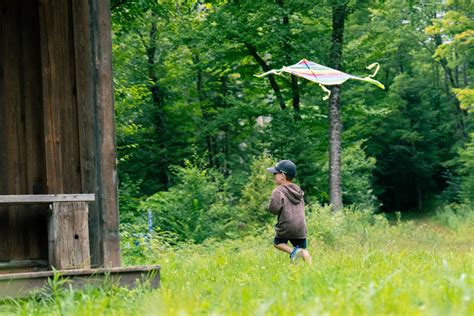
287 202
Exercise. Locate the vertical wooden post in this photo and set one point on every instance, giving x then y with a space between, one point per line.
68 236
86 113
107 195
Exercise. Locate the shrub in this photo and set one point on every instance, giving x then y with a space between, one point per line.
351 223
197 207
252 210
129 201
455 215
357 169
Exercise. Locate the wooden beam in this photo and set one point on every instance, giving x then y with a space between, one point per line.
105 134
36 242
45 198
86 117
23 284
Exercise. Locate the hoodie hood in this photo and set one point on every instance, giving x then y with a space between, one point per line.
292 192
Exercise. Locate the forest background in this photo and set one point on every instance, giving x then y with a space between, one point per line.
196 129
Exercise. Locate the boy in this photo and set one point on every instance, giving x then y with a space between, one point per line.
287 202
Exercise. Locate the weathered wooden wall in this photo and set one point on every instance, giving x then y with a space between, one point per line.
56 120
22 156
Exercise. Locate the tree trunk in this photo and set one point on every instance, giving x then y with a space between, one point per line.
339 12
205 114
419 195
452 79
335 132
287 48
157 99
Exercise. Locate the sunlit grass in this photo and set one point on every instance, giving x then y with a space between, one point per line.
361 269
251 278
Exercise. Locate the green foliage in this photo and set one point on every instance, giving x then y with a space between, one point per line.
466 98
129 199
357 177
467 172
183 74
456 216
138 245
252 209
457 26
196 208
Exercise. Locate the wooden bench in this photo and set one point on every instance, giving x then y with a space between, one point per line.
68 227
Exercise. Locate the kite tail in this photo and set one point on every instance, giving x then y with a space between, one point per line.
325 90
271 72
372 81
369 77
376 69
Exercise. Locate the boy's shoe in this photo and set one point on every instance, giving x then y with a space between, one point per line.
296 253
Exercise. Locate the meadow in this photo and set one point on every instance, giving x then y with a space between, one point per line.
364 264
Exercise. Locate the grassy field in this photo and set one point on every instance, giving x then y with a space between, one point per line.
363 265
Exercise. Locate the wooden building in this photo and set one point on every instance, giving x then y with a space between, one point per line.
56 125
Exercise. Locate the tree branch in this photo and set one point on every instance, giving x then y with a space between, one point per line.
253 51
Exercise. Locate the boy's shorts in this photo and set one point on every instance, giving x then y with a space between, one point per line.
300 243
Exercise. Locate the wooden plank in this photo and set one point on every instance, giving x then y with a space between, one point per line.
20 231
4 234
46 198
106 157
3 108
32 96
4 212
51 98
14 128
59 97
14 264
85 103
68 107
35 181
23 284
69 236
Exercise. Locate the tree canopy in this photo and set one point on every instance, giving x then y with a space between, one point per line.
186 96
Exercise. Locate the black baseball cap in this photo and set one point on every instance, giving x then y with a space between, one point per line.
284 166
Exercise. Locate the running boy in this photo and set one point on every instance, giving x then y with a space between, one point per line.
287 202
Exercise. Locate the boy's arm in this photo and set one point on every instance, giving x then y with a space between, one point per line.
276 202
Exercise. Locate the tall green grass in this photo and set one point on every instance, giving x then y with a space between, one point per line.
363 265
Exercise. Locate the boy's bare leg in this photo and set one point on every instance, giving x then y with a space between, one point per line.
307 257
284 248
